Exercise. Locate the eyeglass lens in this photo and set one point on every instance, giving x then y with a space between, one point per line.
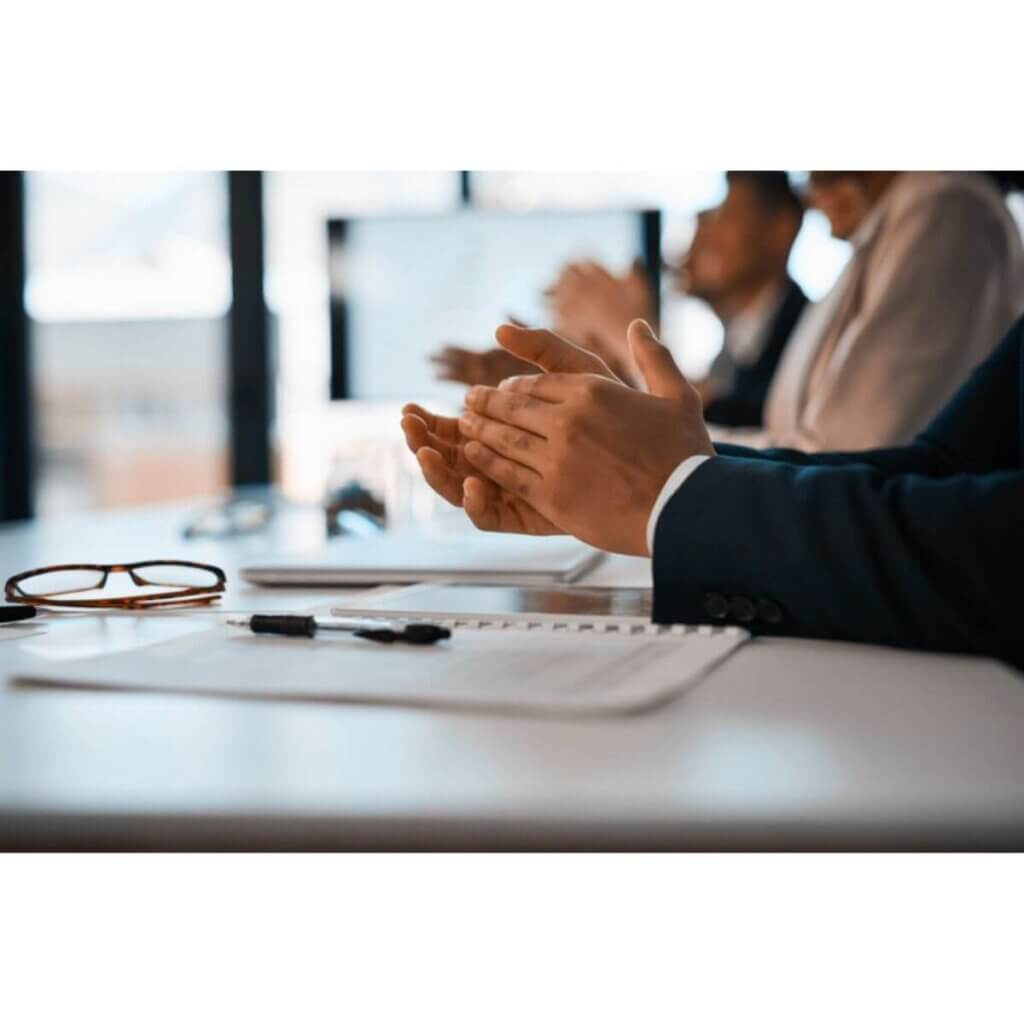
76 581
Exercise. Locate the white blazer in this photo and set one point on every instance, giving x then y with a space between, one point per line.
935 280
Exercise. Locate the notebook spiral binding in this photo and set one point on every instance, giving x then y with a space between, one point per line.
526 625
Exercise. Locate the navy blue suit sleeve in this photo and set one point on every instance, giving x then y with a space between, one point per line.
849 553
918 547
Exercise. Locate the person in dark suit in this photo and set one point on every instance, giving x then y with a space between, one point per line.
736 264
919 546
741 402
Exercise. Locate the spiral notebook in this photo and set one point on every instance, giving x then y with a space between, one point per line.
547 664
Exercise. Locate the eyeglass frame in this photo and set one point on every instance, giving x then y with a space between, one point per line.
183 596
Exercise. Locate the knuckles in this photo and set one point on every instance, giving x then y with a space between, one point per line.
519 403
517 440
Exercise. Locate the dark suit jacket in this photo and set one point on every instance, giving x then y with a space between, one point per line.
920 546
744 407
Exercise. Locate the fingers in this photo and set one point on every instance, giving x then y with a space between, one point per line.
466 368
584 272
517 479
417 437
450 363
430 420
519 410
446 428
451 356
659 370
568 272
485 505
551 353
440 476
482 502
489 508
553 388
512 442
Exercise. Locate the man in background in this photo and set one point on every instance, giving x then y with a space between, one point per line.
736 264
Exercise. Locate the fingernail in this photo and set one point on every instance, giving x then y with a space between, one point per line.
473 395
472 449
467 420
648 330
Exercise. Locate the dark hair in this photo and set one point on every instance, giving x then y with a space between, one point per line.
773 188
1007 181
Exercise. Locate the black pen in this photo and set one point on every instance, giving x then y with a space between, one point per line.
16 612
381 632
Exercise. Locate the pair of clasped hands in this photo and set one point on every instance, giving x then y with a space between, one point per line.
570 450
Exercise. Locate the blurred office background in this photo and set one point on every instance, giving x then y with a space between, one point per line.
178 332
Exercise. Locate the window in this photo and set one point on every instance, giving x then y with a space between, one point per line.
128 286
312 434
682 191
688 326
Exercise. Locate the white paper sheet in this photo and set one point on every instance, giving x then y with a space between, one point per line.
520 670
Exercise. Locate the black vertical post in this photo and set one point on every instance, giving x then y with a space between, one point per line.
15 377
651 244
465 188
249 360
340 382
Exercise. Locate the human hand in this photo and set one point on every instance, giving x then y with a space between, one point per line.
464 366
437 441
595 308
587 453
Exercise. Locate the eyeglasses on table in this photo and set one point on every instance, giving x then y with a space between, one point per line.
181 584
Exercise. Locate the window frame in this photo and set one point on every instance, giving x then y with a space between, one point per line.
16 425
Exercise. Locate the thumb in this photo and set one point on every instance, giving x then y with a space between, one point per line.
551 352
661 375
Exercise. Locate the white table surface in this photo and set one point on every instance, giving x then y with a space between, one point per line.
789 745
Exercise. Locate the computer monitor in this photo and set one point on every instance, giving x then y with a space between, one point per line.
404 286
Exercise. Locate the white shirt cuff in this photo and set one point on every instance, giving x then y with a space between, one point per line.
672 484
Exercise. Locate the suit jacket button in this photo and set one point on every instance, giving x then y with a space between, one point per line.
769 611
743 609
716 605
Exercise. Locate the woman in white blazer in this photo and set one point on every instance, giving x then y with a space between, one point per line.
935 280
